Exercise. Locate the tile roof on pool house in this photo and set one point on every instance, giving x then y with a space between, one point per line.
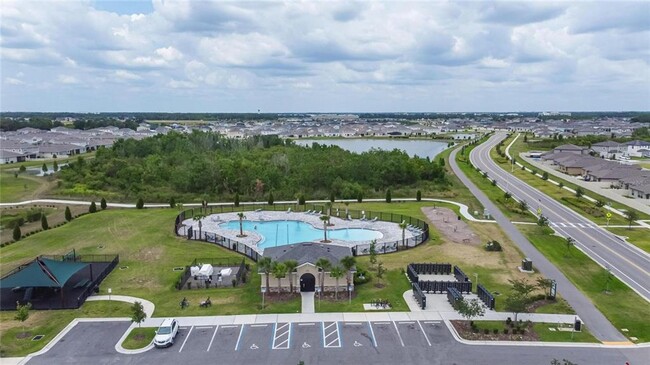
308 252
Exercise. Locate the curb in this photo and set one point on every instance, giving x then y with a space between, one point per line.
122 350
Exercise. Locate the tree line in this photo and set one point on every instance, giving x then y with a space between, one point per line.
210 166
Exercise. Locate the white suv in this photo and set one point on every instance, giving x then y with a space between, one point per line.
166 333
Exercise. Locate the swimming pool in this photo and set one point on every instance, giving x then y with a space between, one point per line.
279 233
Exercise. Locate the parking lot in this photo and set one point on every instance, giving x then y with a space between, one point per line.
309 335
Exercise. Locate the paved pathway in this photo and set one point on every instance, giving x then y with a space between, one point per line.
601 328
307 302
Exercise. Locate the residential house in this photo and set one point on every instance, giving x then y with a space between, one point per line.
634 148
609 149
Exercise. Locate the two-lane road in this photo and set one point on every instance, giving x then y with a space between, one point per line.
628 263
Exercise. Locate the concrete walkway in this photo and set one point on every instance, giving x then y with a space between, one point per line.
463 209
148 306
307 302
600 327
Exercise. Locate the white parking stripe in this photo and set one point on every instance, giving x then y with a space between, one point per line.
239 338
572 225
563 225
306 324
186 337
410 322
259 325
398 335
228 326
353 324
203 328
432 322
214 334
424 333
581 226
374 340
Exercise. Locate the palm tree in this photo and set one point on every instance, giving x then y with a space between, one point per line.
323 264
631 216
291 267
348 263
279 271
265 264
241 223
336 273
569 242
403 226
325 219
328 208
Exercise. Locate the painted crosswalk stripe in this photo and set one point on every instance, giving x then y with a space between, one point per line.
581 226
563 225
572 225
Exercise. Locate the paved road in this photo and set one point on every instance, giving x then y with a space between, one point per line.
599 326
627 262
410 342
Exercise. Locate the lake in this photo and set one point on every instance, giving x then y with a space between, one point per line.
413 147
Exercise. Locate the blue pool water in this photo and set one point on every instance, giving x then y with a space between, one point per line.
279 233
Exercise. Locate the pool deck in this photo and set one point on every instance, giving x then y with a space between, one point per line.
211 224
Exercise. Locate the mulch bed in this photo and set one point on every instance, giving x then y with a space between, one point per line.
465 331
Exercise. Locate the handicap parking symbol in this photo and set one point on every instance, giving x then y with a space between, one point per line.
357 344
254 347
305 345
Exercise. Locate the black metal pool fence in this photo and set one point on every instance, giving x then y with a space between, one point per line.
418 228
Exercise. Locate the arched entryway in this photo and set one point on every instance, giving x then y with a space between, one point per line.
307 282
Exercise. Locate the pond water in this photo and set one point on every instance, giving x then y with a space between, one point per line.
413 147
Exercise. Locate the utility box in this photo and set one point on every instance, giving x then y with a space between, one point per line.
526 264
577 326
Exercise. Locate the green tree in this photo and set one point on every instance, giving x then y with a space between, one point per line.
441 162
328 208
44 168
301 199
545 176
631 216
279 272
325 219
17 234
266 264
68 214
139 204
523 206
507 196
92 208
22 168
381 270
600 203
44 223
22 313
172 202
337 273
270 198
516 303
418 195
332 197
360 197
373 254
470 309
241 217
542 221
348 263
55 166
236 199
137 313
545 285
388 196
560 185
291 266
323 265
579 192
569 243
103 204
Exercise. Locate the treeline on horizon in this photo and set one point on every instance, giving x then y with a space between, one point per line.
208 166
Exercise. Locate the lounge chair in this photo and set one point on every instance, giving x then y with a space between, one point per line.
289 210
307 211
258 210
363 218
374 219
319 212
348 218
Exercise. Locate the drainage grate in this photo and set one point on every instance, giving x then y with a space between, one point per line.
37 337
123 267
180 268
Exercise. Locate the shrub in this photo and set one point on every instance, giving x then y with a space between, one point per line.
388 196
418 195
68 214
102 204
505 331
270 199
172 202
332 197
92 208
494 182
360 197
301 199
493 246
139 204
16 233
236 199
545 175
486 331
44 223
495 331
523 167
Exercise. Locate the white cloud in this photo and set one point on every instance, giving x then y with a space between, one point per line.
350 55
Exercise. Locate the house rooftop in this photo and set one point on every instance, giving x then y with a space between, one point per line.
308 252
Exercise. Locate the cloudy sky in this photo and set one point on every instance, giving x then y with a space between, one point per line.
321 56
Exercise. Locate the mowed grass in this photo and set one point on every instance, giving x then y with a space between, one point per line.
139 337
49 324
622 306
14 189
639 237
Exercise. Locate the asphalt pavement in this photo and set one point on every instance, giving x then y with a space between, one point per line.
381 342
599 326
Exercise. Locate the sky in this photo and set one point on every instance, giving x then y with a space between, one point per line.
324 56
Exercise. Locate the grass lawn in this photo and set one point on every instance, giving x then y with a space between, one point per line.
551 189
542 330
13 189
635 236
49 324
622 306
139 338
